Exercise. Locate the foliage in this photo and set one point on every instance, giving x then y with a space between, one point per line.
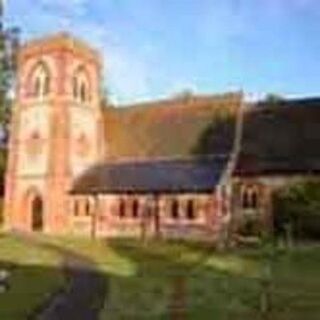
298 206
273 98
9 45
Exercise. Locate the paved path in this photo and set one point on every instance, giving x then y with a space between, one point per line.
84 297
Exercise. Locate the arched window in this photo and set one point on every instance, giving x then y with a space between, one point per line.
135 208
83 92
88 207
249 198
41 81
122 208
190 210
75 87
80 86
76 208
175 209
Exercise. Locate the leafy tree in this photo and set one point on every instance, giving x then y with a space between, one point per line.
273 98
9 44
298 205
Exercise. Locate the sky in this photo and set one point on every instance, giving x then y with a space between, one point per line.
158 48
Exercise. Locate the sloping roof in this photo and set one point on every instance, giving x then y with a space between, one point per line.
281 138
278 138
169 128
161 176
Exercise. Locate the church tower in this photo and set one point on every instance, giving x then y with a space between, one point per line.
55 131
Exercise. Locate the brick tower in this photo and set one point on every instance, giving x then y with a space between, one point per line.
55 131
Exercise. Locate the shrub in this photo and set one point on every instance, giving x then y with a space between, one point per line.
298 206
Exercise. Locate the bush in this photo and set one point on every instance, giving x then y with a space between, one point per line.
298 206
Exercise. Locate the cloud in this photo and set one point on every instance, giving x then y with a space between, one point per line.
127 70
77 7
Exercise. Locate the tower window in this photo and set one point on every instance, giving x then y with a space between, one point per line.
80 86
41 82
83 92
75 87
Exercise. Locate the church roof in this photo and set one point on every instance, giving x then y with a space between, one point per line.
153 176
175 127
184 145
281 138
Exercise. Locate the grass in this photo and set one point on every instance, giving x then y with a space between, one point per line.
142 280
34 275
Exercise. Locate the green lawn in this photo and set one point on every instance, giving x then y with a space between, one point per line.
34 276
142 280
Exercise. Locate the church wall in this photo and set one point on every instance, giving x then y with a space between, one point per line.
25 188
83 149
104 219
265 187
33 141
43 131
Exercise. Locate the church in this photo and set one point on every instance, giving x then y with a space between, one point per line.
182 167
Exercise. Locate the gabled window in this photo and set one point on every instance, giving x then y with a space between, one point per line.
249 198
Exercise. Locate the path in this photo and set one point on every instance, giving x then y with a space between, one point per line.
83 298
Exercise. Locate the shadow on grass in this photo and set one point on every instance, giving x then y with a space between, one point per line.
178 281
29 289
183 280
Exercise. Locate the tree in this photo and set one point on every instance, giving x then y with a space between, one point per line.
273 98
298 205
9 44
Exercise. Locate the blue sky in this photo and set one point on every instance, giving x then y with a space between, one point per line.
157 48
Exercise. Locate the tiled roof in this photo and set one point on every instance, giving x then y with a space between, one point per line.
155 176
281 138
278 138
169 128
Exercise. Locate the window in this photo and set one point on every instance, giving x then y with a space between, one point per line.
122 208
80 86
88 207
76 208
135 208
83 92
175 209
46 85
250 198
37 87
190 210
41 81
75 87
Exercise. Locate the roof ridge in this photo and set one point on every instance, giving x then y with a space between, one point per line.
193 97
126 160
